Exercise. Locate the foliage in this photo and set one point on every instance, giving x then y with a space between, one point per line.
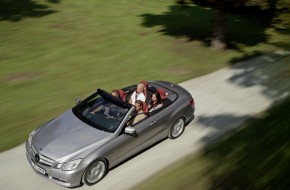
269 12
282 17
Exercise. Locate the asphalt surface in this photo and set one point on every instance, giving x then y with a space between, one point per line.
224 99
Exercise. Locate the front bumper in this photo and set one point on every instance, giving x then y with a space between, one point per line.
58 176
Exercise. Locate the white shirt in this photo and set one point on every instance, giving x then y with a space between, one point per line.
139 96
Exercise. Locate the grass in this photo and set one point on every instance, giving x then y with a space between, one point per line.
54 51
256 157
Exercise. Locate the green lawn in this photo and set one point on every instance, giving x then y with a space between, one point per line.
256 157
53 51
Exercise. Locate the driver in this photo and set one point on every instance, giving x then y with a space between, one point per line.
110 110
140 114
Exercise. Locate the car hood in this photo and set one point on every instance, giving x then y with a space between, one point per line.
67 136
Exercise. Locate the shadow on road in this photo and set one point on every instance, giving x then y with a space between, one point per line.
256 156
256 153
220 125
271 72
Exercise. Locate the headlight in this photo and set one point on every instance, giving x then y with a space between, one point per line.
30 137
68 166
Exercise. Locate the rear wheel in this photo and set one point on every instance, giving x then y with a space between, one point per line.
95 172
177 128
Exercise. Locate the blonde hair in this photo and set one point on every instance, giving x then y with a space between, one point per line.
141 85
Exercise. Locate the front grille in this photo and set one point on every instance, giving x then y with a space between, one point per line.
42 159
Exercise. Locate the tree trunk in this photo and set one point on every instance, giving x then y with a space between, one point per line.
218 39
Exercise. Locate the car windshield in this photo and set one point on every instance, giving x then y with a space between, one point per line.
102 111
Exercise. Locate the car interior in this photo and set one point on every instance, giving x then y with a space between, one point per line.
167 95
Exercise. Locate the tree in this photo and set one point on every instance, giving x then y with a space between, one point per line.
281 19
218 40
274 12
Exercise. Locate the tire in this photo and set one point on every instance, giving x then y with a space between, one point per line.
95 172
177 128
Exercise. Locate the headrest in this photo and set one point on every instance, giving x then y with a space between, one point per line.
144 83
145 107
122 94
162 93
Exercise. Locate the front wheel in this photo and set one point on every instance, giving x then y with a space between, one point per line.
176 129
95 172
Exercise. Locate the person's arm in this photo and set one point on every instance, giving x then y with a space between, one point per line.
159 106
131 98
135 120
97 109
139 117
130 121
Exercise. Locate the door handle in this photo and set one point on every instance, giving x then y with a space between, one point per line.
153 122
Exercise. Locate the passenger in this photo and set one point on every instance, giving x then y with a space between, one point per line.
155 102
107 106
145 87
116 93
138 94
140 114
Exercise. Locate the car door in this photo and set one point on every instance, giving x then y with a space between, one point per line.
127 145
164 119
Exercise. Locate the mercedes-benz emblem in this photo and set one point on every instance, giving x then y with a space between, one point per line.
36 157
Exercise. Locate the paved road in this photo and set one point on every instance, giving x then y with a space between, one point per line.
224 99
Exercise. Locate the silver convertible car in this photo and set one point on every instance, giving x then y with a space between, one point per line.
79 147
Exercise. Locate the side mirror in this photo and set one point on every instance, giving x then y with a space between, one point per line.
78 100
130 131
